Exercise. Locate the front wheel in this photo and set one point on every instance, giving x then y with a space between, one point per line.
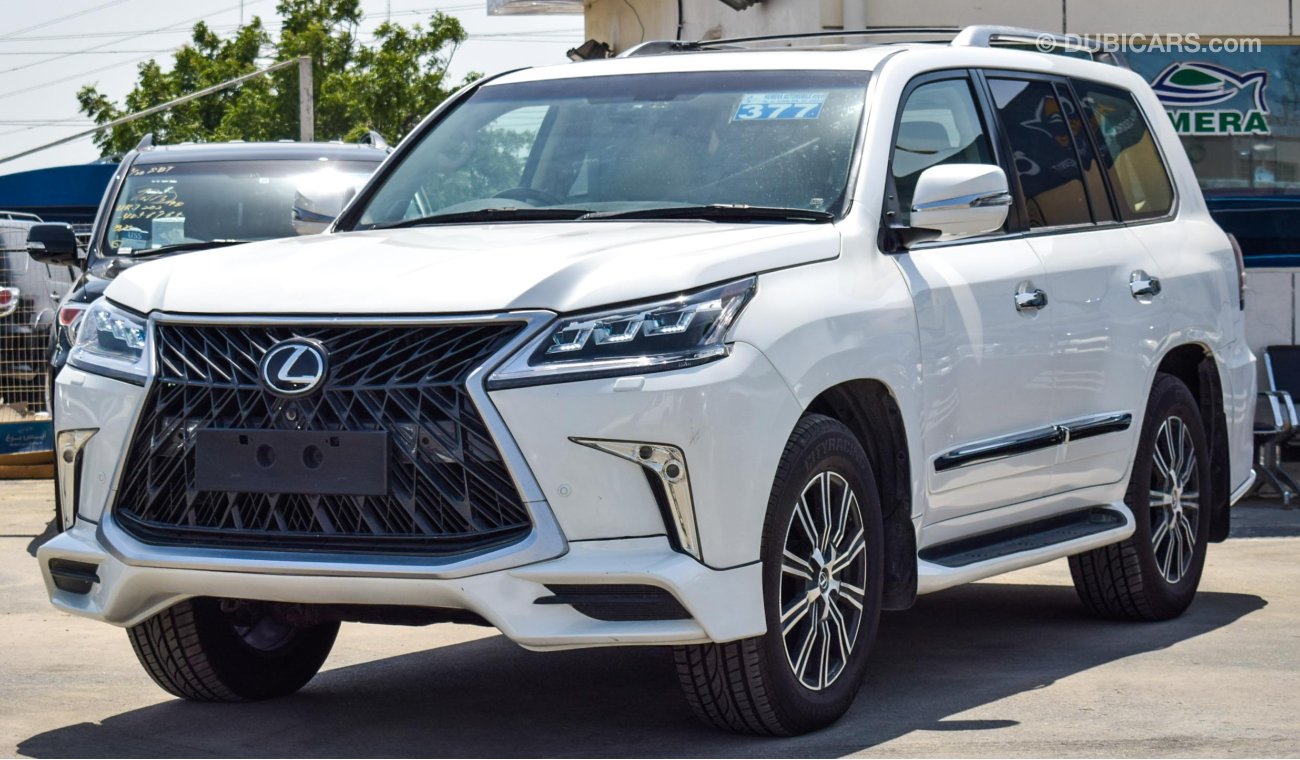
1154 574
822 584
210 650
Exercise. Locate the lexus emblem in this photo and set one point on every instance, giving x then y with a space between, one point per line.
294 367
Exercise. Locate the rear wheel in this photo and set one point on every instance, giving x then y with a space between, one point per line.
213 651
1154 574
822 569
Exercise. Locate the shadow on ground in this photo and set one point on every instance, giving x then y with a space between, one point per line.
51 530
954 651
1265 518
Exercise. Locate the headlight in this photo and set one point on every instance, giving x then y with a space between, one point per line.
651 337
111 341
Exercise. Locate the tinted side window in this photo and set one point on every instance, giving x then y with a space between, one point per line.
939 124
1129 152
1098 198
1036 124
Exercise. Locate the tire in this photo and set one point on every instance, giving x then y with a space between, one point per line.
751 685
1145 578
198 652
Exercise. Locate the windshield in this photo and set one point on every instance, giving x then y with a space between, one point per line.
781 139
197 202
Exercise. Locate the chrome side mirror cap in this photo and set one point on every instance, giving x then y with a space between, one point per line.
953 201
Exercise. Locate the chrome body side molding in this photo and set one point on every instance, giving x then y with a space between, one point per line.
1033 440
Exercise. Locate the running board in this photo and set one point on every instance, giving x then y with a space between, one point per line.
955 562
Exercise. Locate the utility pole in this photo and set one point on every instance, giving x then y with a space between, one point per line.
306 102
307 122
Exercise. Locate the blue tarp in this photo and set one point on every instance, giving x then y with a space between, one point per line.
59 193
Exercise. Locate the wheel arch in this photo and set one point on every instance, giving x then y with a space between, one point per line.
1195 365
870 410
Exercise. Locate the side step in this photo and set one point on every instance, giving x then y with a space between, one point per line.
968 559
1023 538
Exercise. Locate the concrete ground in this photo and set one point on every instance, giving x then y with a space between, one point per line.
1007 668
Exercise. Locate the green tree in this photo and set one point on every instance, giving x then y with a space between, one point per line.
387 86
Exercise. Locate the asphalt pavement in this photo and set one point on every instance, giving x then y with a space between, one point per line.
1012 667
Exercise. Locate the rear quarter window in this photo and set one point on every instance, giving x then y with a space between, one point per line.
1051 183
1128 151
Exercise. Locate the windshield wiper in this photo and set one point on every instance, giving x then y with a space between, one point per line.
723 212
489 215
122 261
197 245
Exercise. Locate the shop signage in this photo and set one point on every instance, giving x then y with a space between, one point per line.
1205 98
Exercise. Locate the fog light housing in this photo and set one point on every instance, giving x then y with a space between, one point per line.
665 469
72 576
67 446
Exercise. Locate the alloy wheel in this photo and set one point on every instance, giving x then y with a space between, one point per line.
823 580
1175 499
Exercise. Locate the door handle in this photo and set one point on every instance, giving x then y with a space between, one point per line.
1143 285
1031 300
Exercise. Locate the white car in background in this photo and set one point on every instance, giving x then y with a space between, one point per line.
723 349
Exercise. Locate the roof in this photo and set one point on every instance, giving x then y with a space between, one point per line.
928 55
790 59
246 151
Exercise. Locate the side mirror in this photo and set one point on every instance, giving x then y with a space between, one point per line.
52 244
958 200
318 202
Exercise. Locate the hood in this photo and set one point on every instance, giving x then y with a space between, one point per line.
560 266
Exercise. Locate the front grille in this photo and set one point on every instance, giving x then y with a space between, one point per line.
448 490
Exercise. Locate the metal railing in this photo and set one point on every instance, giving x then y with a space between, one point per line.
29 298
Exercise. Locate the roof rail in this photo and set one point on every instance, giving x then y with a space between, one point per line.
971 36
659 47
374 140
1043 42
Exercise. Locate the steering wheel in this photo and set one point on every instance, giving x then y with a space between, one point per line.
529 195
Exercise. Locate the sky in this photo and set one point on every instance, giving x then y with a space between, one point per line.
50 50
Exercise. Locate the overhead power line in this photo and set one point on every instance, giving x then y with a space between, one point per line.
304 69
60 19
214 27
531 36
70 77
84 52
73 121
94 71
103 45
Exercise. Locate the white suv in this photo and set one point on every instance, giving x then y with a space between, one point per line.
723 349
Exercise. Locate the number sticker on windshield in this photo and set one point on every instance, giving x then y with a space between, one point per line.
779 106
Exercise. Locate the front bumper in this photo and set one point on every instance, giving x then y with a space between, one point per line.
603 512
724 604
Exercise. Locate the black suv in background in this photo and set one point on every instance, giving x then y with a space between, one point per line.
169 199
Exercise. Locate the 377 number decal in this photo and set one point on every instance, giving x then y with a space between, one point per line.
778 106
785 111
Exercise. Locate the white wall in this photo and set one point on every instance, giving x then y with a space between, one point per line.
624 23
614 21
1272 318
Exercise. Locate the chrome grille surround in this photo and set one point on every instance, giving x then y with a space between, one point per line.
513 523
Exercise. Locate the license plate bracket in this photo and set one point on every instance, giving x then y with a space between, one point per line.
343 463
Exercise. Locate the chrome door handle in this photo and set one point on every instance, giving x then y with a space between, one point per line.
1031 300
1143 285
